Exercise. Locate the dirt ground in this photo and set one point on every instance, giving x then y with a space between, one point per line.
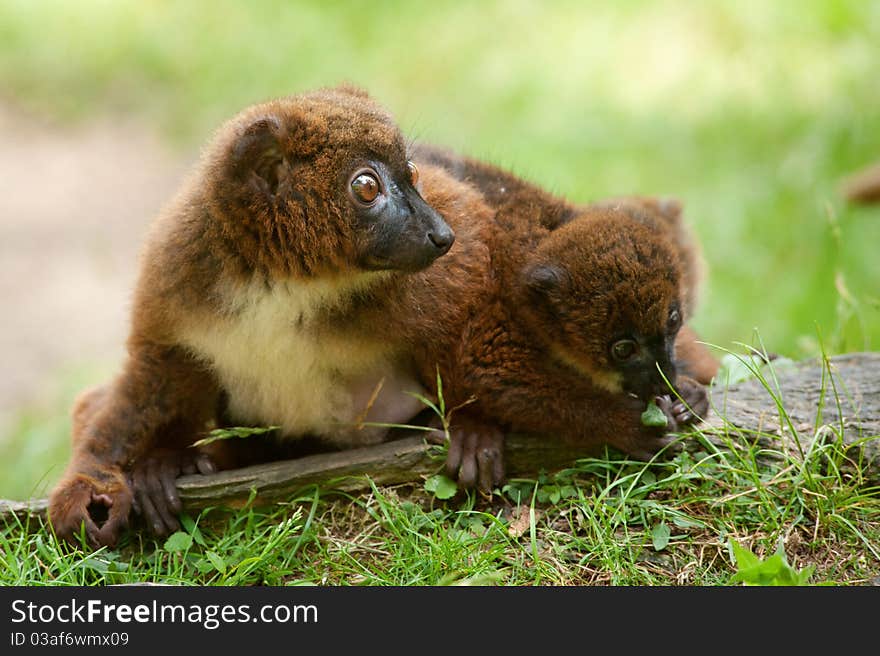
74 205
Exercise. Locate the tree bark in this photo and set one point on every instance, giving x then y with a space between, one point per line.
839 401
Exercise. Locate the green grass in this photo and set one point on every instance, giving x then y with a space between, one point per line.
749 112
613 522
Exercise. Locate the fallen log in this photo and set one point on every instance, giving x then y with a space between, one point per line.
800 407
837 400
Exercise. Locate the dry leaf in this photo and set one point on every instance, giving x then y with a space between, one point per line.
519 521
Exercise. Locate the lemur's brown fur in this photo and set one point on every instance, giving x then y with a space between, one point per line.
567 282
264 298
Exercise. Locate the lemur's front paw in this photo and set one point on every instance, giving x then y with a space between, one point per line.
154 483
98 503
476 454
694 403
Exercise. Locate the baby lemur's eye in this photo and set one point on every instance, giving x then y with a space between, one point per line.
624 349
413 172
674 320
364 187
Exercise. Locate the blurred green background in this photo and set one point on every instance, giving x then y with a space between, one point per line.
749 112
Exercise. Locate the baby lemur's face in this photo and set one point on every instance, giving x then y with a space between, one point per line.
323 180
604 292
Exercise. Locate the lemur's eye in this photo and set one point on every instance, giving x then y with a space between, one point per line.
413 172
364 187
674 320
624 349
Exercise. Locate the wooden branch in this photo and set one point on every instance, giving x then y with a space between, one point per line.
745 413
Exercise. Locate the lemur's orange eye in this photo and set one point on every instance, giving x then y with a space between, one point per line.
365 187
413 172
624 349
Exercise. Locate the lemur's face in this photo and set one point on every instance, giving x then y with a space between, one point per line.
397 229
324 178
605 292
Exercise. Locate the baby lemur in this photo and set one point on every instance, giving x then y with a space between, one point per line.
263 298
584 324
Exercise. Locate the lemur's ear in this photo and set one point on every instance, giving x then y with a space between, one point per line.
257 154
545 279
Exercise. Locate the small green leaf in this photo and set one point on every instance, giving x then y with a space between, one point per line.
803 577
474 524
683 521
179 541
660 536
773 570
238 432
517 491
744 557
568 491
218 562
653 416
441 486
190 527
550 493
204 566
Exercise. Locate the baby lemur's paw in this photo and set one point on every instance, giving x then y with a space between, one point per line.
693 405
154 483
